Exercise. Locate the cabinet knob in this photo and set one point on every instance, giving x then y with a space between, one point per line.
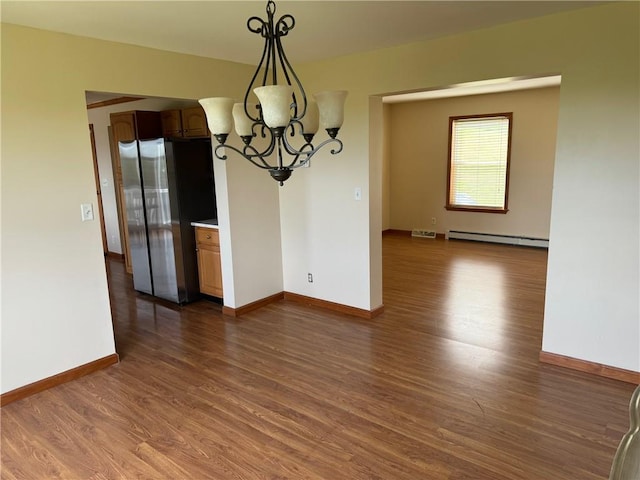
208 237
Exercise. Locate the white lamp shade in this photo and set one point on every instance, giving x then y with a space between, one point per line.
243 123
275 101
311 118
218 111
331 106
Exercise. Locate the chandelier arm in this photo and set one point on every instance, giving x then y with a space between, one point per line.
279 141
310 154
261 155
286 68
291 150
284 25
250 89
305 154
249 152
269 64
271 35
268 45
259 29
309 150
292 127
220 156
264 166
334 151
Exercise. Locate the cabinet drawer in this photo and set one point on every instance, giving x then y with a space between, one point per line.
207 236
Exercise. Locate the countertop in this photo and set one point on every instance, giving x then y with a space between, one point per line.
210 223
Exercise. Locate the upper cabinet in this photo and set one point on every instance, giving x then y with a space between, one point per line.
171 123
123 126
135 125
194 122
188 122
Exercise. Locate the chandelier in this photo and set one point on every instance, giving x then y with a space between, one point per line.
283 115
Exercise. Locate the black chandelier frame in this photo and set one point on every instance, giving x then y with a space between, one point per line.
275 65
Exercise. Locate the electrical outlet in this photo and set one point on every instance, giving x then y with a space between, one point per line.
310 277
433 220
87 211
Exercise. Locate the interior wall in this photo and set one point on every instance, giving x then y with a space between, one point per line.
325 230
249 221
419 134
99 117
386 166
377 150
592 297
48 253
592 303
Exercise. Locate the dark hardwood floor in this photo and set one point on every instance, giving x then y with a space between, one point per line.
445 384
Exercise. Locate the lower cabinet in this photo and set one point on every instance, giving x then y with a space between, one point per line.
209 267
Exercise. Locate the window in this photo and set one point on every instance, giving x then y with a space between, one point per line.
478 172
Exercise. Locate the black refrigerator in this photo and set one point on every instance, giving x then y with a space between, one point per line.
167 185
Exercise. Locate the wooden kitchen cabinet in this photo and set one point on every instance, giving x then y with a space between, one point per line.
135 125
194 122
171 123
188 122
123 126
209 265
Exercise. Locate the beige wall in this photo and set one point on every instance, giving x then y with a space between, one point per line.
418 163
592 297
386 167
55 305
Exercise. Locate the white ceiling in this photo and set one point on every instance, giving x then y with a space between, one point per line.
323 29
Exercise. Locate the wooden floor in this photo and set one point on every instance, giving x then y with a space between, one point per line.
444 385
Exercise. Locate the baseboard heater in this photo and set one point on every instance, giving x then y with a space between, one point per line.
493 238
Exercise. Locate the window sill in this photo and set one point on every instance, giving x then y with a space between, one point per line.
457 208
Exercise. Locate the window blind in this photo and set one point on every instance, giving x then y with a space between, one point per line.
479 162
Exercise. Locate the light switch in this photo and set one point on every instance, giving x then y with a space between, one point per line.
357 194
87 211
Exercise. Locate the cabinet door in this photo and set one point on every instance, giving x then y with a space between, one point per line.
194 122
148 125
209 270
123 126
171 123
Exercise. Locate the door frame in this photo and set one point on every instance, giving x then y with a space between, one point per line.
96 171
